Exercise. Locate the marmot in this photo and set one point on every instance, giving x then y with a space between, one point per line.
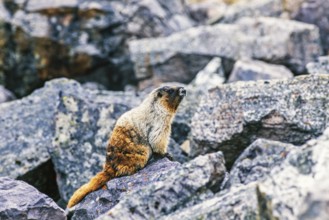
138 134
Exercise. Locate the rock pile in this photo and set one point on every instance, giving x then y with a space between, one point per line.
241 150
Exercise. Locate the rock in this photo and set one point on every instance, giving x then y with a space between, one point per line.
76 38
253 8
212 75
83 123
21 201
316 12
25 133
296 189
247 70
179 188
321 66
177 68
5 95
101 201
204 11
257 38
257 161
175 150
233 116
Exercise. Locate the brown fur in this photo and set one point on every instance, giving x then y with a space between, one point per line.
138 133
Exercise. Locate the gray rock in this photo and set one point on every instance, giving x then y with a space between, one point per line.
212 75
174 149
296 189
25 133
83 123
75 38
274 40
252 8
238 203
233 116
247 70
178 68
28 130
316 12
257 161
5 95
203 11
319 67
21 201
101 201
181 187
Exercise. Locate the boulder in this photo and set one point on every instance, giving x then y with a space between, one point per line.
101 201
316 12
232 116
77 38
257 160
181 187
295 189
182 55
247 70
321 66
25 133
21 201
5 95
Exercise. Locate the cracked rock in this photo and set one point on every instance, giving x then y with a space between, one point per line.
233 116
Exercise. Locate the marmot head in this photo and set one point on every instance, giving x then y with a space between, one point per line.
169 97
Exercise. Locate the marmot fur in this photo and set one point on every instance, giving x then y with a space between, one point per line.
137 135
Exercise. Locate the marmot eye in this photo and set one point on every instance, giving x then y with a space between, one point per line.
170 91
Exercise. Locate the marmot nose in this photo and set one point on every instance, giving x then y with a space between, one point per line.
181 91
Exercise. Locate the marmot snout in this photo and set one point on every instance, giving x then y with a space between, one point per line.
138 134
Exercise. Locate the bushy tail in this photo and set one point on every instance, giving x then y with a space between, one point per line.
94 184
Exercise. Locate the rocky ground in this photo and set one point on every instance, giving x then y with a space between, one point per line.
250 140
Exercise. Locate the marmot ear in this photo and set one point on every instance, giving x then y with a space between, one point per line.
159 94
